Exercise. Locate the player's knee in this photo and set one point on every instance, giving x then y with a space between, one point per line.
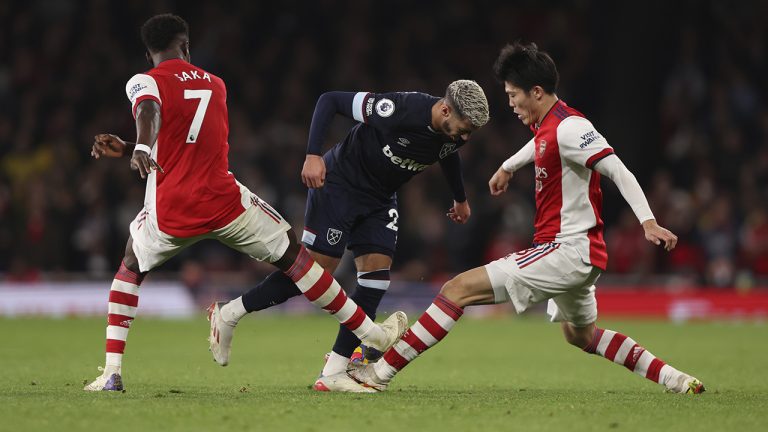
129 259
454 291
291 252
579 337
131 263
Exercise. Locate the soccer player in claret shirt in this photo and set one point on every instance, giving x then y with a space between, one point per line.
568 253
182 127
352 200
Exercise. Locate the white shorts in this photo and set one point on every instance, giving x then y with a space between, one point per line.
551 271
258 232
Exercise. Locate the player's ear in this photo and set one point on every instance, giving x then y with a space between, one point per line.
445 109
149 58
185 50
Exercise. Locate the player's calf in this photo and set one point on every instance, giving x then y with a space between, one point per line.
320 288
625 351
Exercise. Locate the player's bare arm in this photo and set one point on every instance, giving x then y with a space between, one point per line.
147 127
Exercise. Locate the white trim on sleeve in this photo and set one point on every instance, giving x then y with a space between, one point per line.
357 106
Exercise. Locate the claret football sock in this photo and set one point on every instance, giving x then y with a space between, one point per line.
123 302
430 329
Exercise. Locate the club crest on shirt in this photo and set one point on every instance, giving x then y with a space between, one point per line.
333 236
542 147
385 107
447 149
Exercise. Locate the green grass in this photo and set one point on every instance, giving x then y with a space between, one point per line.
494 374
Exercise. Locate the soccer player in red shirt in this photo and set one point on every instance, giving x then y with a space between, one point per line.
181 150
568 253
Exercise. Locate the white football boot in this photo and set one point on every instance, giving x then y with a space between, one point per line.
686 384
220 338
341 382
394 327
109 380
365 376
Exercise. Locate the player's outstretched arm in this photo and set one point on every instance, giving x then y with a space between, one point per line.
613 168
500 180
148 122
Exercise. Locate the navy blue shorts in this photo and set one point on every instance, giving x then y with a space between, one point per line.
337 217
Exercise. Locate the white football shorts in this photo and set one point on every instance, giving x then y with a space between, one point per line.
550 271
258 232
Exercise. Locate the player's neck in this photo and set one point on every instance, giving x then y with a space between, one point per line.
162 56
545 106
435 119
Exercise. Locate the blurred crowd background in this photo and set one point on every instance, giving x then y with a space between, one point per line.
677 88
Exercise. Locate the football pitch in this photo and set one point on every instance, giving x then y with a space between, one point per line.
488 375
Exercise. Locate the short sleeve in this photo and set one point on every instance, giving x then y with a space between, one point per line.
579 141
389 110
140 88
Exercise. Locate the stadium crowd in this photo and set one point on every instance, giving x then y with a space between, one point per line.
677 89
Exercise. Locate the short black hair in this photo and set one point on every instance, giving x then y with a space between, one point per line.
160 30
525 66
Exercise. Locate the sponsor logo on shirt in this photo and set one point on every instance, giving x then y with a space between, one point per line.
447 149
403 142
541 175
135 90
385 107
369 106
409 164
588 138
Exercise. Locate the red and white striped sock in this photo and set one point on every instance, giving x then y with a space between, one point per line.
123 302
320 288
430 329
625 351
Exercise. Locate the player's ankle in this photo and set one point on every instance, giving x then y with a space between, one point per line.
233 311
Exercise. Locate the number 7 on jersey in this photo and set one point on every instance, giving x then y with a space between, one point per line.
197 121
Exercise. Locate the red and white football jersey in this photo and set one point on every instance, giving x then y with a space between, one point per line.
568 195
197 193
